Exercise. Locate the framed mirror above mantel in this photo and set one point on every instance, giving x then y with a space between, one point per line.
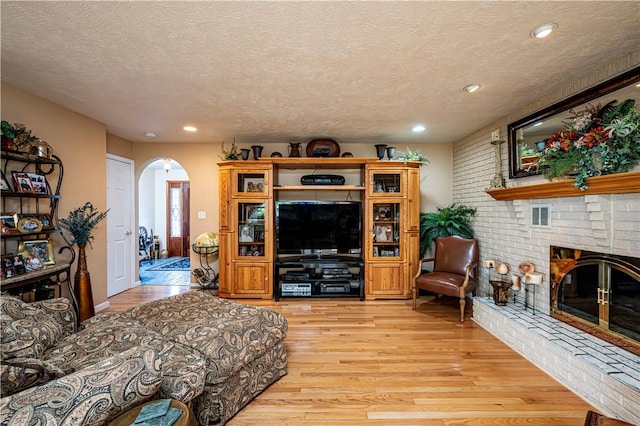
527 136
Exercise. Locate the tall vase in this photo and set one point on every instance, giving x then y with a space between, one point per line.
82 286
380 150
257 151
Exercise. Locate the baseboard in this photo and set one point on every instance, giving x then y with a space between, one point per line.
102 306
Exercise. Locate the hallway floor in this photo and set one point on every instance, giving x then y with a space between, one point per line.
150 277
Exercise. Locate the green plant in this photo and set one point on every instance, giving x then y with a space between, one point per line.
452 220
23 136
595 141
416 155
7 130
81 222
232 153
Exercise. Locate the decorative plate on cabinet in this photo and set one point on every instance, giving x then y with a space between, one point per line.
323 148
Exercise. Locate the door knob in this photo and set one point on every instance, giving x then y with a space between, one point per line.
128 233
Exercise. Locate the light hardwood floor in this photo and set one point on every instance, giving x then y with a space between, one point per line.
381 363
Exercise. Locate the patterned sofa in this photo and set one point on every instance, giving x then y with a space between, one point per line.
215 354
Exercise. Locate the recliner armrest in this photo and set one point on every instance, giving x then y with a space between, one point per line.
91 396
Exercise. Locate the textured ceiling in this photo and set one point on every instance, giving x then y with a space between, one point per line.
293 71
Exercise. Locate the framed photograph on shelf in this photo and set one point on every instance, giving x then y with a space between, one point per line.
8 270
245 234
28 223
42 249
4 184
255 213
378 185
38 218
254 185
382 212
22 182
9 221
38 183
383 234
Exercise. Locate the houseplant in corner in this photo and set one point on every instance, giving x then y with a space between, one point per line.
79 225
452 220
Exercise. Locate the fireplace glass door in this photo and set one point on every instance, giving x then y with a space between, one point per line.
597 289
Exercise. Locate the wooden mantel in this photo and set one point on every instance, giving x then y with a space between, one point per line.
608 184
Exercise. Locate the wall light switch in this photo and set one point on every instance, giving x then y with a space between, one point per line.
202 215
495 135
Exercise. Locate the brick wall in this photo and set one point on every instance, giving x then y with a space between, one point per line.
603 223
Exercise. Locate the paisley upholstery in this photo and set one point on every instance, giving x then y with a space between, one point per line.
91 396
215 354
26 330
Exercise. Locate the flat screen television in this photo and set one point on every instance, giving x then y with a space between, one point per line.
308 227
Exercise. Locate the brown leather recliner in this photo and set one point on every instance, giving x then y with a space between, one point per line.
455 270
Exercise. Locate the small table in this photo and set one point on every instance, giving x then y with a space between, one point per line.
128 417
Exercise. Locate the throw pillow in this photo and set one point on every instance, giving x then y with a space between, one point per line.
89 397
17 374
26 331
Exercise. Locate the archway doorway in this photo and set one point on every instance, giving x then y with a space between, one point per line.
163 212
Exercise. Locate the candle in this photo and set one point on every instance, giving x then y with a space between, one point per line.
534 278
515 280
502 269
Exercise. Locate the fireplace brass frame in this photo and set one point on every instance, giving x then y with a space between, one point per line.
601 330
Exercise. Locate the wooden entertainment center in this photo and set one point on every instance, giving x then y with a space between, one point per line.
389 191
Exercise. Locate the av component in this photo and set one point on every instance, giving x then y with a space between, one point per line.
322 180
296 289
335 288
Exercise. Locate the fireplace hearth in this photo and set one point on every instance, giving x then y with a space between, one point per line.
598 293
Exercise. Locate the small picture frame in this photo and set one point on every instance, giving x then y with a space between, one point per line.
254 185
383 234
8 270
42 249
43 218
378 185
22 182
383 212
9 221
28 224
245 234
38 183
255 213
4 183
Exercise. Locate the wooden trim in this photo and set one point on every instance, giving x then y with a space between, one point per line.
620 183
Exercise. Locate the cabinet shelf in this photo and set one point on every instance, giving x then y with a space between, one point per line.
319 188
619 183
30 234
28 158
29 195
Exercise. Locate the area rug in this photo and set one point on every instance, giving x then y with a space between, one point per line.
181 264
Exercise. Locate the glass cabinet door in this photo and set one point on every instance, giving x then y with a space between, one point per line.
251 231
252 184
387 183
386 229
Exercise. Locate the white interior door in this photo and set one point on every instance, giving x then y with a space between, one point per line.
121 235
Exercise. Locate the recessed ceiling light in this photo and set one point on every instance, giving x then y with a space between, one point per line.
544 30
190 128
471 88
150 135
419 128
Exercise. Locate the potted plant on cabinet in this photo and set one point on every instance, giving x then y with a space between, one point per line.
452 220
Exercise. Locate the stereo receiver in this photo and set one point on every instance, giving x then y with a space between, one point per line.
322 180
